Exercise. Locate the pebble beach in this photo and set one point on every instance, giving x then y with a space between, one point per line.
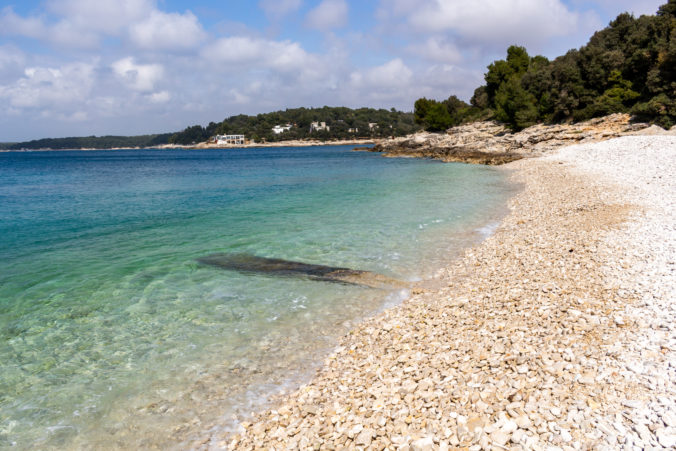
556 332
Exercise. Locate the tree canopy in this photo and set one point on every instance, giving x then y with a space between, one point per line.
630 66
91 142
342 122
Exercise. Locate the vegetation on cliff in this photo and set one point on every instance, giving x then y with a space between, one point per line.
342 123
630 66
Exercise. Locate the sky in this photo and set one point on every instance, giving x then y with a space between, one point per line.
129 67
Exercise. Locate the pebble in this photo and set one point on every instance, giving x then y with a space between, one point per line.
500 438
364 438
565 435
423 444
666 439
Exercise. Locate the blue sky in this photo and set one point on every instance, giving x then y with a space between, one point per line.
85 67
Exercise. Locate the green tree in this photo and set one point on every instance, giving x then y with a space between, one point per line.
421 109
438 117
661 110
514 105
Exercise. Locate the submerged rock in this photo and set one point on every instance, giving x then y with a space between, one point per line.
247 263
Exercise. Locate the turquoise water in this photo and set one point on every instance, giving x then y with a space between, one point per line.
112 335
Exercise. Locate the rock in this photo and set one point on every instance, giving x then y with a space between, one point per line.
475 424
631 404
309 409
665 438
423 444
470 431
493 144
565 435
669 419
523 422
593 404
355 430
518 436
500 438
364 438
509 426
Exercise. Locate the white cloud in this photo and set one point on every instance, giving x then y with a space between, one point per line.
11 23
615 7
12 62
327 15
240 52
162 31
106 16
485 22
393 74
278 8
76 116
139 77
66 34
78 30
439 81
239 98
46 88
82 24
160 97
437 50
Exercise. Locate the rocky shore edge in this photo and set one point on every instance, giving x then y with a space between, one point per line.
555 333
491 143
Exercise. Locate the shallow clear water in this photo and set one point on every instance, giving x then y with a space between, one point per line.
112 335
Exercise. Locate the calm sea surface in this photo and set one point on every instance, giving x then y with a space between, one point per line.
112 335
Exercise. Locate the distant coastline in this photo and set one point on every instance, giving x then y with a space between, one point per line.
204 145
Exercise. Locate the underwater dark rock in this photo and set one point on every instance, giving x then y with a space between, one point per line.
247 263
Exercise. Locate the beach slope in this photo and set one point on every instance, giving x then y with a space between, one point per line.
556 331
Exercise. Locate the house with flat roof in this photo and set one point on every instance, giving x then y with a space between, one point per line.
318 126
277 129
230 139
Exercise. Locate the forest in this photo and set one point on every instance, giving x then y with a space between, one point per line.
630 66
90 142
342 122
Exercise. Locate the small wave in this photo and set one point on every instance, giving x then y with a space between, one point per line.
489 229
396 298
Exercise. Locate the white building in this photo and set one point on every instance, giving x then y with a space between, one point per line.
317 126
373 125
277 129
230 139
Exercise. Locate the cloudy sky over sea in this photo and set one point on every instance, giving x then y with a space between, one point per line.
84 67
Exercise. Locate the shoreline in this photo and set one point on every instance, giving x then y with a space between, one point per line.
491 143
520 345
204 146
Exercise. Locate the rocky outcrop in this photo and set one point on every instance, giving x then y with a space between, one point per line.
492 143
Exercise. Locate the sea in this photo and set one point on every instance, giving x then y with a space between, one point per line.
114 336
